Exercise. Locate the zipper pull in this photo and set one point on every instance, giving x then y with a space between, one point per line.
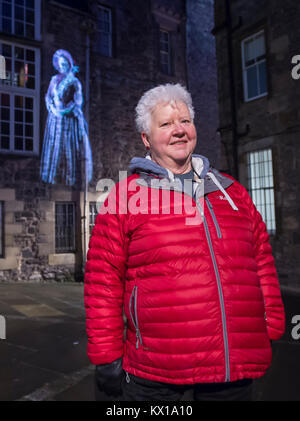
137 339
127 377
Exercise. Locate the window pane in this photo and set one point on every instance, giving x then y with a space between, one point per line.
6 25
252 82
29 31
29 145
4 114
4 142
262 72
19 13
19 101
64 227
30 56
260 182
29 103
19 28
19 143
6 10
5 128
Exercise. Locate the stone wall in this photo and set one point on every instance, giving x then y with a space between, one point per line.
273 120
115 85
202 76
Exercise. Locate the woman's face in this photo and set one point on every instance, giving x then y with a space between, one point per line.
63 65
173 137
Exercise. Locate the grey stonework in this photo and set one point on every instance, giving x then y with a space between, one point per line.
115 85
273 120
202 76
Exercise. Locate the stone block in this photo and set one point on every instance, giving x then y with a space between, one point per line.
279 45
7 194
13 229
47 228
45 249
11 258
62 259
14 206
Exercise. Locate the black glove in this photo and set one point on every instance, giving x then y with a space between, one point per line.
109 377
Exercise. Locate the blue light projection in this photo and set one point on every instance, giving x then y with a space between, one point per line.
66 147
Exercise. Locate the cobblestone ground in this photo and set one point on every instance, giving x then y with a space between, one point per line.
44 354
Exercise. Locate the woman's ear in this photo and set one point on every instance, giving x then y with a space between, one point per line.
145 139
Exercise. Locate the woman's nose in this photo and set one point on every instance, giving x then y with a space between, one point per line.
179 127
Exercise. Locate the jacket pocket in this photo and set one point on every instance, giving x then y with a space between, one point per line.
134 316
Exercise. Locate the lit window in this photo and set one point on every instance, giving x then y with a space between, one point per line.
165 52
64 227
261 185
1 229
19 99
20 17
104 31
254 67
92 218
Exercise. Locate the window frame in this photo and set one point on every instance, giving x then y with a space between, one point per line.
92 216
244 67
167 54
271 223
98 31
13 91
72 249
37 21
2 236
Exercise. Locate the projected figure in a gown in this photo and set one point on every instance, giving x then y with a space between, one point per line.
66 148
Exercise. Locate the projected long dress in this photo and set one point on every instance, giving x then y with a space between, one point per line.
66 150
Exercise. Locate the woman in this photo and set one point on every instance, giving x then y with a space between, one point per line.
202 300
66 142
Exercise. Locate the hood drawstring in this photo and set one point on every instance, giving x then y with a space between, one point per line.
217 183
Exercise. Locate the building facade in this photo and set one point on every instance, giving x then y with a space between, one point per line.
121 50
258 86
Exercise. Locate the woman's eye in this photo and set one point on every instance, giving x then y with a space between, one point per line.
186 121
164 124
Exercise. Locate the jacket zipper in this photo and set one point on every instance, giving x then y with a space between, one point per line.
221 297
134 317
210 207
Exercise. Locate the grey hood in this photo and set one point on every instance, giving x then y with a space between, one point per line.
213 179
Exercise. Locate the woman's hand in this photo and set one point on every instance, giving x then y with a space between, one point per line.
109 377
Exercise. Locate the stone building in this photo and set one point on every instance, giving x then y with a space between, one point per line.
259 111
121 49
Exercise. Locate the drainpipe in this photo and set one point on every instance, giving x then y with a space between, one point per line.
87 117
232 92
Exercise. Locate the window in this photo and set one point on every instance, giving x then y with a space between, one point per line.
254 66
19 99
64 227
165 52
93 214
20 17
104 31
261 185
1 229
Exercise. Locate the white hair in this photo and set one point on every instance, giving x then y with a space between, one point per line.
160 94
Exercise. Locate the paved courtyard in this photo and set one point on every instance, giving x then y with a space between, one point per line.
44 354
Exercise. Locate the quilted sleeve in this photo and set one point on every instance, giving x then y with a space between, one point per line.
104 287
275 316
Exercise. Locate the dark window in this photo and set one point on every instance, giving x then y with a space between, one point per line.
92 216
64 227
104 31
261 185
254 66
165 52
19 17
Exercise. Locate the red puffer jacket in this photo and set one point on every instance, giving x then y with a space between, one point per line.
202 301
